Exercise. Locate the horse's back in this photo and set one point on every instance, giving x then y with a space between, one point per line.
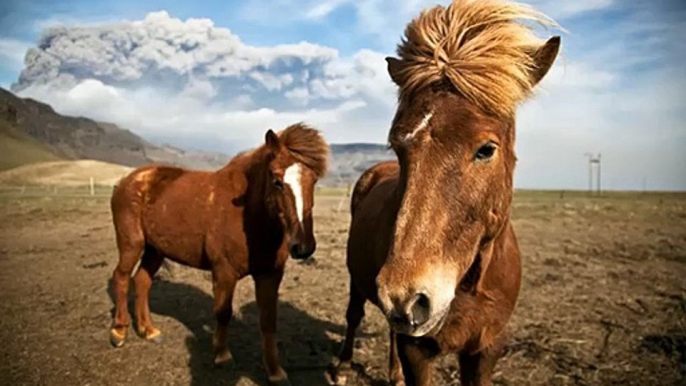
373 211
370 179
166 205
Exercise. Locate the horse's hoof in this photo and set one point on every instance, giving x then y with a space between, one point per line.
280 379
335 379
117 338
282 382
224 358
396 378
338 374
154 336
157 339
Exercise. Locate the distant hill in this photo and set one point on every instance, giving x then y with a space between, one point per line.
65 173
31 131
348 161
46 135
17 149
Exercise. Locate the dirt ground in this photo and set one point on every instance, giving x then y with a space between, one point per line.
603 301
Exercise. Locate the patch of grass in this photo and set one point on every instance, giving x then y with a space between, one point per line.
16 151
336 192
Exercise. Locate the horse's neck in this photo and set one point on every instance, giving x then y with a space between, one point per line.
256 203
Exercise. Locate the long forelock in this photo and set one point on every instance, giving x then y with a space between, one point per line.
307 146
482 47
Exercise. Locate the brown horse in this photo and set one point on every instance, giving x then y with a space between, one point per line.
431 242
241 220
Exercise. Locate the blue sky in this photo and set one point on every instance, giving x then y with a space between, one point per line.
618 89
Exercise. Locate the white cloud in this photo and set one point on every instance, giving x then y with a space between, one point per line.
199 89
323 9
385 19
299 95
190 120
272 82
12 52
565 9
201 86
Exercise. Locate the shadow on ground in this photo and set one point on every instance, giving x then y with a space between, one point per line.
305 346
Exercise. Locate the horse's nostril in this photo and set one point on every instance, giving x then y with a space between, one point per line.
398 319
420 309
300 251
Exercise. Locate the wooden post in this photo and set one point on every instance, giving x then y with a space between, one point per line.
598 160
340 204
92 184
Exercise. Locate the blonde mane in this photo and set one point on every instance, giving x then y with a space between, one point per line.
482 47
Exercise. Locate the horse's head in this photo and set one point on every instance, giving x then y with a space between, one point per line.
454 134
298 157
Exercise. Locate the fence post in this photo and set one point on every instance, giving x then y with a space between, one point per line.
92 185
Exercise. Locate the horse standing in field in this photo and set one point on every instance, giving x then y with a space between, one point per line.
243 219
431 243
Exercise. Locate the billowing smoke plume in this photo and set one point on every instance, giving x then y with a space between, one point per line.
162 51
167 78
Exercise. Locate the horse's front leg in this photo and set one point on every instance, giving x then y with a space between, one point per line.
395 371
476 369
223 284
416 361
267 294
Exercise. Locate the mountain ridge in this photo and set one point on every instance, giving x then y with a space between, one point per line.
35 132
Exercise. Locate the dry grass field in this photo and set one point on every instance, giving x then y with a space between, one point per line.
64 174
603 300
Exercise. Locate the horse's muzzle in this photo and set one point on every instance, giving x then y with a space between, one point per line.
407 317
301 251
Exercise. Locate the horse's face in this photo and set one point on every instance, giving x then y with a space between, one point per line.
290 186
457 167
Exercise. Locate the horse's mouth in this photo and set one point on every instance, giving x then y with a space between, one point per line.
298 252
430 328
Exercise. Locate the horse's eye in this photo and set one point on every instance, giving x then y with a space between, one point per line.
485 152
278 184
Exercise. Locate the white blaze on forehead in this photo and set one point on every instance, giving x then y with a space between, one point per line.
292 179
421 126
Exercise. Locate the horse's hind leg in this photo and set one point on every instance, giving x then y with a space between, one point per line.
130 251
150 264
353 317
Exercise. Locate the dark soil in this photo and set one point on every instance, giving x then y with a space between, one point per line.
603 301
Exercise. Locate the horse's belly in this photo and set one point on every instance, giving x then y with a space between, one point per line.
367 250
183 248
176 233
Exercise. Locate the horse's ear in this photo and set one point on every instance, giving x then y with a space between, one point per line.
544 57
272 140
395 67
